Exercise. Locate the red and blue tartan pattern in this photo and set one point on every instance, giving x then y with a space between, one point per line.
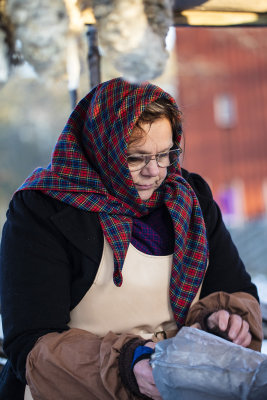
89 171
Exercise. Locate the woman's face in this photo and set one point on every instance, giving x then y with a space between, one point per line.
157 138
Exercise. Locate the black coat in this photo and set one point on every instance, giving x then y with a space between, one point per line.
50 253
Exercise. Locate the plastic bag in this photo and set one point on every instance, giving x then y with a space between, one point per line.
196 365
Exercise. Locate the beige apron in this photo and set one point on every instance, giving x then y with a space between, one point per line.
140 306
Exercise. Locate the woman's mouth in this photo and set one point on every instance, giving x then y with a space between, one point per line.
145 187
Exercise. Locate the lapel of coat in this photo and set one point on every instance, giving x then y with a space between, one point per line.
82 229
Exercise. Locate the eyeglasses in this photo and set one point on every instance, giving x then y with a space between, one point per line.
163 160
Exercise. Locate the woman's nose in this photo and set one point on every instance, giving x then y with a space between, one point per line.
152 168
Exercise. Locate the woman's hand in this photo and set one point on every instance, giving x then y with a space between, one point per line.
144 377
236 328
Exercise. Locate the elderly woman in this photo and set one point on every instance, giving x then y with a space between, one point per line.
111 248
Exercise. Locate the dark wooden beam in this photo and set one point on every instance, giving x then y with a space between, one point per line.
218 18
220 13
93 56
258 6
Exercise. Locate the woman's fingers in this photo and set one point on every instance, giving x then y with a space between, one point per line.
239 331
246 341
196 325
219 319
236 328
144 378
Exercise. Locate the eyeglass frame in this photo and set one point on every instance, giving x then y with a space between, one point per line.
179 149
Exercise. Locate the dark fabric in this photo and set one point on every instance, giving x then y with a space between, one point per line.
11 388
89 171
66 249
153 234
125 370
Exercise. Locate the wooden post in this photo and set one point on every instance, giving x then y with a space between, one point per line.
73 98
93 56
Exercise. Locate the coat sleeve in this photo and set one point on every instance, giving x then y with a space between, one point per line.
85 366
240 303
36 279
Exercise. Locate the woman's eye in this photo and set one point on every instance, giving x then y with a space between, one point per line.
134 159
162 156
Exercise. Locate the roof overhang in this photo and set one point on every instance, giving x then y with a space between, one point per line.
220 13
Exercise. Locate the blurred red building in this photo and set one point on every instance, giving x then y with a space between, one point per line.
222 92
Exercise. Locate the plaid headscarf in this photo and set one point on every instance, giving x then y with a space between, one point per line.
89 171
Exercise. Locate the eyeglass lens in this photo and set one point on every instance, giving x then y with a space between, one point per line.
139 161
